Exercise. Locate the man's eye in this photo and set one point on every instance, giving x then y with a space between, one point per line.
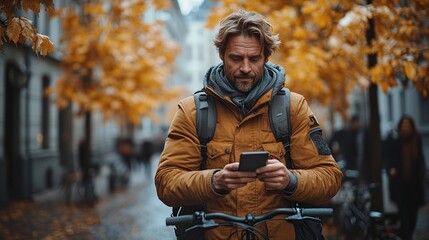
254 59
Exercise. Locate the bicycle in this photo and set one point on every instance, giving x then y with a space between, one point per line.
82 183
355 218
203 221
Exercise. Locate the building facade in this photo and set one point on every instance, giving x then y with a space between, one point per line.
39 142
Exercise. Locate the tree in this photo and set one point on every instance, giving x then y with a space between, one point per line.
334 46
19 29
324 43
113 61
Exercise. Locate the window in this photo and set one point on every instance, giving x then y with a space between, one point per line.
45 113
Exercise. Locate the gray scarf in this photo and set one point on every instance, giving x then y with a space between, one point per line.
273 78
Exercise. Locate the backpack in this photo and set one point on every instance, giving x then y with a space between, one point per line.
206 126
279 121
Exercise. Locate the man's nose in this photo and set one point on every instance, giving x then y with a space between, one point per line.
245 67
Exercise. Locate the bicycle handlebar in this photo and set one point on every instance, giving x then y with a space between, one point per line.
179 220
317 212
294 213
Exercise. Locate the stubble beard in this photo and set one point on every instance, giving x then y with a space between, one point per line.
244 87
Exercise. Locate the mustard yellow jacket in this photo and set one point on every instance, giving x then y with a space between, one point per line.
179 182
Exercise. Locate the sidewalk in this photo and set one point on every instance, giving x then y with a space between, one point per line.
48 216
422 228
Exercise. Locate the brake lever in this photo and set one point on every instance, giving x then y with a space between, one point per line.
300 218
207 225
200 217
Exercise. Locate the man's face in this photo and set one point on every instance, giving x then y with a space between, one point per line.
243 62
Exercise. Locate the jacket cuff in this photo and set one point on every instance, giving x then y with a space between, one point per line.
293 183
218 191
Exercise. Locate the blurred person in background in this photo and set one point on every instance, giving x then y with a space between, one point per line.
146 152
350 145
406 168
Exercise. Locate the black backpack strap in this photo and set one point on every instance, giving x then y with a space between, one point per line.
206 122
280 120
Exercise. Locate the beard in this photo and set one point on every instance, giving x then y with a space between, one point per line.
244 87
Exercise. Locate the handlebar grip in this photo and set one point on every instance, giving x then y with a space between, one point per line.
317 212
179 220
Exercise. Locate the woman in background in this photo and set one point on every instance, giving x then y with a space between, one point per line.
406 169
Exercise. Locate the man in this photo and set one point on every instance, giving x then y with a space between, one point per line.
242 86
353 147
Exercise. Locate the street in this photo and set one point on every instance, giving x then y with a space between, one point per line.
135 213
131 213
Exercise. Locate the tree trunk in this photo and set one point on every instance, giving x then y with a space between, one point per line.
374 141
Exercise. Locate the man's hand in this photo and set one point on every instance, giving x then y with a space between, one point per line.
229 178
275 175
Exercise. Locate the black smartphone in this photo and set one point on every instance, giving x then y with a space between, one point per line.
250 161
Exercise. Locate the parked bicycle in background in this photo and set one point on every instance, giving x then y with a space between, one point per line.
353 216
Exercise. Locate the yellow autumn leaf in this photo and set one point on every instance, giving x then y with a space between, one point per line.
94 9
410 70
376 74
162 4
31 4
61 103
322 19
27 28
37 43
300 33
47 46
422 71
384 86
13 30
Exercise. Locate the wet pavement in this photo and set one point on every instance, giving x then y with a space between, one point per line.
129 213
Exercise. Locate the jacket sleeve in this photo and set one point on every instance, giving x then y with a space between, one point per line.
319 177
179 180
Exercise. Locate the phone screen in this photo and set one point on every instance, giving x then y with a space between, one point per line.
250 161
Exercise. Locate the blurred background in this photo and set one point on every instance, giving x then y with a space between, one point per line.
87 84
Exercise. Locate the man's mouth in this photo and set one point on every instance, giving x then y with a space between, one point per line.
244 78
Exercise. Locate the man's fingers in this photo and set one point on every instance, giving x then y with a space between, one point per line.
232 166
272 179
272 166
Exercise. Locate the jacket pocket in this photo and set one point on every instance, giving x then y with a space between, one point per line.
276 150
218 154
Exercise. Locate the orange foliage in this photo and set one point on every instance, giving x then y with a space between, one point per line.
19 29
114 62
324 44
